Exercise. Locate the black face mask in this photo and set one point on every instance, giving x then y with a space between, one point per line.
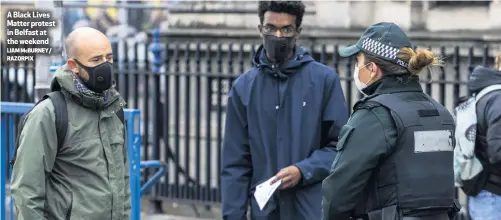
278 48
100 76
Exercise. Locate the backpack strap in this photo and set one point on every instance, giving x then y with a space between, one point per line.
487 90
61 112
61 121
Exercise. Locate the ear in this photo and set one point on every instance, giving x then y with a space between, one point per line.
298 33
374 70
72 65
259 28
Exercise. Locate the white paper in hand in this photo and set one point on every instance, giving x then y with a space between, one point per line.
264 191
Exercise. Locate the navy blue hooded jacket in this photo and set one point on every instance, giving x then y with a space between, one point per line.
277 117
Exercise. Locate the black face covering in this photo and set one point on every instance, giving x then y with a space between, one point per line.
100 76
278 48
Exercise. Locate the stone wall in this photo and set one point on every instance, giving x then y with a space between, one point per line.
347 14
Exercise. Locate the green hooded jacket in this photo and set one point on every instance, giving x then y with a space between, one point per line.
89 177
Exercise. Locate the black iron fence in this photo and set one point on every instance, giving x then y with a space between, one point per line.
183 104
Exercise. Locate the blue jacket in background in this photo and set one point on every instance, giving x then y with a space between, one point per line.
277 117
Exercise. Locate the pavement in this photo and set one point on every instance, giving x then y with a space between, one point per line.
177 211
170 217
172 210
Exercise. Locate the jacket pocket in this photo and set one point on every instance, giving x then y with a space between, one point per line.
117 139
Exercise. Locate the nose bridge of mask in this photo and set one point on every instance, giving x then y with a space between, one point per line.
105 66
92 69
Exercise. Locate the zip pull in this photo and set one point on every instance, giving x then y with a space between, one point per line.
277 71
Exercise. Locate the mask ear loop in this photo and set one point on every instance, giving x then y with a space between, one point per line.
370 79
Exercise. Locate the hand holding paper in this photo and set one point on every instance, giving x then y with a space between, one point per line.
290 177
264 191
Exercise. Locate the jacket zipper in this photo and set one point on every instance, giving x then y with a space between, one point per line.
277 106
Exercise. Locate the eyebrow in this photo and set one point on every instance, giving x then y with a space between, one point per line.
97 56
290 25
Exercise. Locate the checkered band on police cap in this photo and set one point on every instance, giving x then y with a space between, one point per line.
383 51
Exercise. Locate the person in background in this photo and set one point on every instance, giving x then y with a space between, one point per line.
88 177
484 193
282 122
395 158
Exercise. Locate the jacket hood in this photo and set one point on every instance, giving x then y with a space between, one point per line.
482 77
301 57
63 80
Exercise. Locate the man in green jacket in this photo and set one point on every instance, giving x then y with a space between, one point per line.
88 178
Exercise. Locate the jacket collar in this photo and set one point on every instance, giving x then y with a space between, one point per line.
391 84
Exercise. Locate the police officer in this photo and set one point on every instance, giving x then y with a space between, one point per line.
395 154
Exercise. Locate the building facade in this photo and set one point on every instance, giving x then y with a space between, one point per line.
411 15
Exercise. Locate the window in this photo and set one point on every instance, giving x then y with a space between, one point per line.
434 4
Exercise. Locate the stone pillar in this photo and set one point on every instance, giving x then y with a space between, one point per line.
495 14
333 14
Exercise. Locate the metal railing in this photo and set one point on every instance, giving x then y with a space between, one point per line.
10 114
181 91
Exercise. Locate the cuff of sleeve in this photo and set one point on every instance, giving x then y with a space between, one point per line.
306 173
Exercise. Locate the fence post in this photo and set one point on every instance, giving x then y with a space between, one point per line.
156 49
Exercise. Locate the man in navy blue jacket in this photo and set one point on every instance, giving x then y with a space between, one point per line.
282 121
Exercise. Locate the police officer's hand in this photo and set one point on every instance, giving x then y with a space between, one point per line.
290 177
